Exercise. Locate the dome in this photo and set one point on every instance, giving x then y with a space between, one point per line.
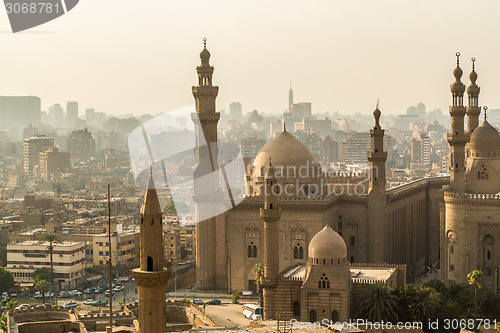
457 73
327 244
485 138
204 54
284 151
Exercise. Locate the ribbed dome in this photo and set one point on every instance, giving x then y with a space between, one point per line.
204 54
284 151
327 244
485 138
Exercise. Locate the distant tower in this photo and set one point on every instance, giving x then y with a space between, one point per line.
152 277
376 158
376 190
290 97
473 109
457 138
206 176
270 215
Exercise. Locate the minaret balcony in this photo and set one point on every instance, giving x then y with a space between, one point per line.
377 156
270 215
151 279
458 138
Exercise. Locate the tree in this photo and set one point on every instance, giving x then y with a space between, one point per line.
3 324
3 255
236 296
379 303
42 274
11 305
41 285
51 238
425 304
58 188
258 270
6 280
475 279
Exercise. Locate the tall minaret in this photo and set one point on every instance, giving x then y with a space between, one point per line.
152 276
457 138
270 215
206 172
290 97
376 158
473 109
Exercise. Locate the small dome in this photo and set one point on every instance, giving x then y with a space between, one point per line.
473 77
457 73
327 244
205 55
284 151
485 138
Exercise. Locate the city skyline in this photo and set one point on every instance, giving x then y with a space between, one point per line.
339 57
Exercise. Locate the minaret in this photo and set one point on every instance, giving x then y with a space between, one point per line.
473 109
290 97
206 172
457 138
376 158
270 215
152 276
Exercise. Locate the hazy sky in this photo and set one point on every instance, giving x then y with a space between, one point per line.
132 56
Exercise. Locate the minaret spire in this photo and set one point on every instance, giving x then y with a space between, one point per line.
473 109
457 138
152 276
376 158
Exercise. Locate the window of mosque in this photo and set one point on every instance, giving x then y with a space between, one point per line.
252 250
488 255
352 259
323 282
298 251
452 267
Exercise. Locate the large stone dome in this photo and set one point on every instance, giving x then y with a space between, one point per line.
327 247
485 138
284 151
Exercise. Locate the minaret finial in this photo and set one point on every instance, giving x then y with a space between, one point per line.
485 108
204 43
473 61
377 102
284 126
290 84
458 58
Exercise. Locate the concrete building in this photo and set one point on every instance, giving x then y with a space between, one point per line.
153 275
251 146
236 111
19 111
24 257
32 149
53 160
71 114
81 145
173 246
354 148
56 116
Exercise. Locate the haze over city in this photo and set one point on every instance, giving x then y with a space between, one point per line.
134 57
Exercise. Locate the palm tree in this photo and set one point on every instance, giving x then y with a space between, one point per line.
41 285
258 269
51 238
475 279
425 304
12 305
379 303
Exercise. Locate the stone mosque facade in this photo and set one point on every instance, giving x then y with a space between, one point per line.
399 226
470 227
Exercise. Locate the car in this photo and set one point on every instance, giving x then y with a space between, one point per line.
107 292
49 294
13 294
65 294
198 302
214 302
98 290
47 305
70 305
76 292
88 302
38 295
123 279
100 303
5 294
88 291
23 307
133 279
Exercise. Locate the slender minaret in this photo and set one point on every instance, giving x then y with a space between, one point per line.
473 109
457 138
270 215
290 97
206 172
152 276
376 158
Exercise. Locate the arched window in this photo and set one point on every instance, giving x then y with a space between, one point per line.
254 251
335 316
296 308
249 250
298 251
312 316
295 252
301 252
323 282
152 221
488 253
149 264
352 259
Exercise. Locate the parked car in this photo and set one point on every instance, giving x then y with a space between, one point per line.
13 294
76 292
47 305
100 303
49 294
88 291
107 292
23 306
38 295
88 302
198 302
65 294
98 290
123 279
5 294
70 305
214 302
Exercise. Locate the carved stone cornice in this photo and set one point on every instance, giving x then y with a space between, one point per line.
151 279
